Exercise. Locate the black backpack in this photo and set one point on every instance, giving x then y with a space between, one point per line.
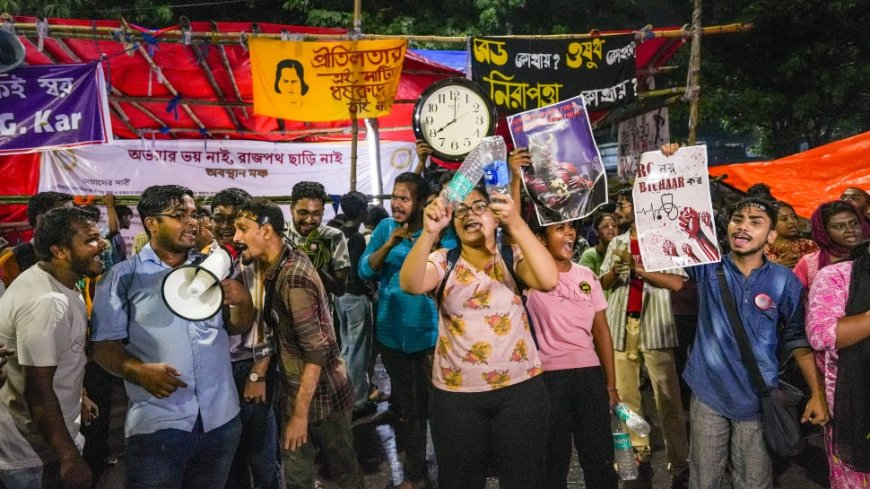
507 254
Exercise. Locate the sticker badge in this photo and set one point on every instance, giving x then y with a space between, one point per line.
585 287
763 302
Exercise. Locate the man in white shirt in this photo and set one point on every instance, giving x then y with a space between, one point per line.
43 318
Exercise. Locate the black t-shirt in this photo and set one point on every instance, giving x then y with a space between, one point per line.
356 246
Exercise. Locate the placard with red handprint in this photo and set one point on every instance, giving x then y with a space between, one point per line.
673 210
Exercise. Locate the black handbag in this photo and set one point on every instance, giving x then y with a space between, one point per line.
780 419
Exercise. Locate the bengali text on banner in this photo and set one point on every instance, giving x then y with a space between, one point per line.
325 81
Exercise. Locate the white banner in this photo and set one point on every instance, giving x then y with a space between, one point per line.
673 211
127 167
646 132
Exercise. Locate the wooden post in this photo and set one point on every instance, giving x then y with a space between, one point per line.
354 122
354 142
694 88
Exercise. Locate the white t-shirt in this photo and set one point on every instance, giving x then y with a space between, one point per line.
45 322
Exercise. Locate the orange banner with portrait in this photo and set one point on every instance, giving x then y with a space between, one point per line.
325 81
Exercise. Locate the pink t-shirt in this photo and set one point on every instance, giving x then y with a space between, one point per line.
562 319
484 341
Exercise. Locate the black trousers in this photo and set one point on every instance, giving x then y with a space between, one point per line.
508 423
99 385
579 409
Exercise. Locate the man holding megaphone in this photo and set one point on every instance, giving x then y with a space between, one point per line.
182 425
316 398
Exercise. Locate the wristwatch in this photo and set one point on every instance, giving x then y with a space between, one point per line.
255 377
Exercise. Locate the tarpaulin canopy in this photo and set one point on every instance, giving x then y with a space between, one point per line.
173 90
807 179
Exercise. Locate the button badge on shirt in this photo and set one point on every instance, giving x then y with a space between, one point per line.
763 302
585 287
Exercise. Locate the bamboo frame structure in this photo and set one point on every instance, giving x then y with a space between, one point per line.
175 35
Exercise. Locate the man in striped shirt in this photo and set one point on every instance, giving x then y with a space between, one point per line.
316 398
642 324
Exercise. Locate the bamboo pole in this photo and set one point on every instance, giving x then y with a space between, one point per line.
695 77
292 134
174 35
204 66
660 92
229 69
166 83
132 200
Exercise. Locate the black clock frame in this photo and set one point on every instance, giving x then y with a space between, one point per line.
417 126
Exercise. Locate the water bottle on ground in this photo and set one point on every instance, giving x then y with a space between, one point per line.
469 173
626 465
496 173
634 421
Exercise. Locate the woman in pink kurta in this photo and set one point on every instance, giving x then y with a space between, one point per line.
826 310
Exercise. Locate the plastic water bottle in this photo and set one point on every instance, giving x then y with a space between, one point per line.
496 173
469 173
623 455
634 421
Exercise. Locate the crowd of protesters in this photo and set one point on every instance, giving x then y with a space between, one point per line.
512 350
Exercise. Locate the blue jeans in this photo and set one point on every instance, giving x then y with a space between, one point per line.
355 330
31 477
718 442
258 446
176 459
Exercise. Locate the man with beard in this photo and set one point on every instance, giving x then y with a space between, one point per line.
859 198
725 411
251 354
23 256
641 321
316 396
407 325
325 246
44 320
182 425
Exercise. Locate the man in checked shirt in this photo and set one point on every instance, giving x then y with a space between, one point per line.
315 399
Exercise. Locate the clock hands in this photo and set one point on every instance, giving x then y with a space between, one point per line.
445 126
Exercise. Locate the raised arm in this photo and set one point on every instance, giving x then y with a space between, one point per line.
418 276
537 268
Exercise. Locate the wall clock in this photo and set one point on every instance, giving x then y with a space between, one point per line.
453 115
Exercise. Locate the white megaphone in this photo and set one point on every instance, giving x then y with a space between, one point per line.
193 292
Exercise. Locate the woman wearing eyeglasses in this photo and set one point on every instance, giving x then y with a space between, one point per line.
489 402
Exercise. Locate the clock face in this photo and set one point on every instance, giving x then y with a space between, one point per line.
453 116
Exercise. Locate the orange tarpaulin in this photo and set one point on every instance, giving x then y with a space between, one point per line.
807 179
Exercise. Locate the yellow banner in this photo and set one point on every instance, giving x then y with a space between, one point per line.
325 81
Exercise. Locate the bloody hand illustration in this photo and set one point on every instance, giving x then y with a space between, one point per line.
669 248
687 250
690 222
707 220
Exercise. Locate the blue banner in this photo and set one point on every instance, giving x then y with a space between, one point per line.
53 106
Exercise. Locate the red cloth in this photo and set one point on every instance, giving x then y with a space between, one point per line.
635 291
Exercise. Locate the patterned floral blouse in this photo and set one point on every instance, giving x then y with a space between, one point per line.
484 341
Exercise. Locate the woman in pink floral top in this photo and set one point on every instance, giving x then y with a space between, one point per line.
836 331
488 397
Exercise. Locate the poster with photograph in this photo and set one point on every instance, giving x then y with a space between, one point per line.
673 210
566 179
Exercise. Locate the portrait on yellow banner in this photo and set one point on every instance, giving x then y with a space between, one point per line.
325 81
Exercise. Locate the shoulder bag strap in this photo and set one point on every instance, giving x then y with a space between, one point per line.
749 360
452 258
